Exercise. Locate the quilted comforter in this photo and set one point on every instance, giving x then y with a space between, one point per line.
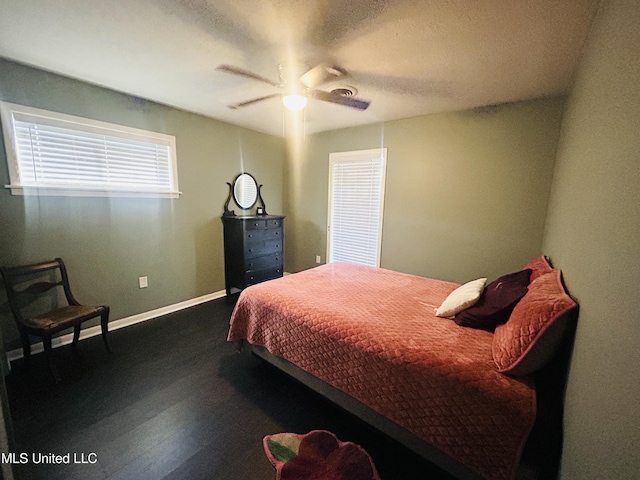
372 333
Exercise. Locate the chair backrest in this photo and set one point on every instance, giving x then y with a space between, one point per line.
35 279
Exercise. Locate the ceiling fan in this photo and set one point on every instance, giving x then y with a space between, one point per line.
298 90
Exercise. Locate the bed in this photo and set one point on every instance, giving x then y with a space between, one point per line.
369 339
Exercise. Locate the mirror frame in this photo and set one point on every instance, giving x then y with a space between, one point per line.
238 184
233 187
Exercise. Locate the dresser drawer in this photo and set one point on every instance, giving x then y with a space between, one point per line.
252 250
273 260
252 236
274 223
256 276
262 223
257 224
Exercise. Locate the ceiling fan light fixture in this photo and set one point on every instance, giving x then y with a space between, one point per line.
295 103
300 87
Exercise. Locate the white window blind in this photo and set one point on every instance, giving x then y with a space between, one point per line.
356 198
55 154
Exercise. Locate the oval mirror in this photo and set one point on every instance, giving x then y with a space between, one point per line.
245 191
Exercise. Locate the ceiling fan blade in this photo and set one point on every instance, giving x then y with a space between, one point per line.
320 74
251 102
245 73
340 99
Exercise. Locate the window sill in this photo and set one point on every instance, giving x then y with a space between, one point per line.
76 192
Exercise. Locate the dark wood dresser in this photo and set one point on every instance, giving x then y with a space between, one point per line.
253 250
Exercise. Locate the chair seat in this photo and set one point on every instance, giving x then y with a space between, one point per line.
63 317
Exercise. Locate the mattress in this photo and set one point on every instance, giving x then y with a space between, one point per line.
373 334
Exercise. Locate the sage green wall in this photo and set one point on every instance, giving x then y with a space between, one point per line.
466 193
108 242
593 234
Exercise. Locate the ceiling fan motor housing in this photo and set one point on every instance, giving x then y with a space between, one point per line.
289 74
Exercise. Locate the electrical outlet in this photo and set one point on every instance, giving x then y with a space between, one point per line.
143 282
318 259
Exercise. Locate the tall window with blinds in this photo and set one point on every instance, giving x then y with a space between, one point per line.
356 199
50 153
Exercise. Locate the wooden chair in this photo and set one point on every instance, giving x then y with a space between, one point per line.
25 284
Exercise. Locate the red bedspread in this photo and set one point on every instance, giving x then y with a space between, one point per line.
373 334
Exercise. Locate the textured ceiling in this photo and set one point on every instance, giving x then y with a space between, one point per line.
408 58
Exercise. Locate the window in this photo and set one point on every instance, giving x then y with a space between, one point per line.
50 153
356 199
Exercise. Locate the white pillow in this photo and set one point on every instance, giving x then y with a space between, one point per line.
461 298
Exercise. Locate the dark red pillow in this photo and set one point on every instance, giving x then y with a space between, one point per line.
497 302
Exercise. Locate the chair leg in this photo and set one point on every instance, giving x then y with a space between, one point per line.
76 336
46 341
104 325
26 346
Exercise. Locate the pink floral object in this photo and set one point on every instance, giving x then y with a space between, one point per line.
318 455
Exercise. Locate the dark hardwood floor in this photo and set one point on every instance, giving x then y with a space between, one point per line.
174 401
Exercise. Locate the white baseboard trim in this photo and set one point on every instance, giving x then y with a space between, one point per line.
117 324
